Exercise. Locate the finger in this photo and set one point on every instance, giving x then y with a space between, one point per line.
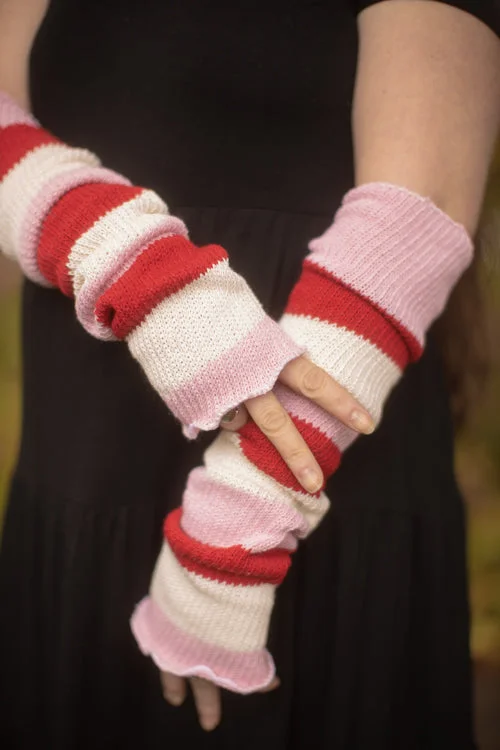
234 419
276 682
306 378
207 699
174 688
277 425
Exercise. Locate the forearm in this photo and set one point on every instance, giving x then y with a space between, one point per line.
370 289
426 107
134 275
19 24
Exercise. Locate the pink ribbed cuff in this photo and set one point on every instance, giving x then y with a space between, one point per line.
173 650
397 249
249 369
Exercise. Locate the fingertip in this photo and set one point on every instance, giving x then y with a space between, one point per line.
208 724
312 480
174 699
362 422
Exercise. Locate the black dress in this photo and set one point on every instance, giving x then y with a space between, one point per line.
238 114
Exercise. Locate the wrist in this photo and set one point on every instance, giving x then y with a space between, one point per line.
399 251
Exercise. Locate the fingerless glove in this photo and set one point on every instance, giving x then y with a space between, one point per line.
369 290
200 335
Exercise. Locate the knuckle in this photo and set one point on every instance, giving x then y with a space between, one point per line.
296 456
337 402
314 380
273 421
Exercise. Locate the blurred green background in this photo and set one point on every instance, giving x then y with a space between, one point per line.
477 464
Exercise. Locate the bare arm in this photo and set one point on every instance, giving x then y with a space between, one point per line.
19 23
427 102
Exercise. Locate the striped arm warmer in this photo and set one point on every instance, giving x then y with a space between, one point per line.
369 290
199 333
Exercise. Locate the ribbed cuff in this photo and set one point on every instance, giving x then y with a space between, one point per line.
397 249
173 650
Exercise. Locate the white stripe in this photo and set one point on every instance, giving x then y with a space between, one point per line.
233 617
226 463
106 240
108 249
191 328
353 361
24 181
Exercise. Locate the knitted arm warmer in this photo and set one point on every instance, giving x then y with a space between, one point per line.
369 290
193 324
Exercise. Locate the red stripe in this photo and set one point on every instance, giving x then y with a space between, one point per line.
257 448
233 565
17 140
321 295
77 211
162 269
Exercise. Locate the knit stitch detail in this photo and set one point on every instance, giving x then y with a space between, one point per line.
17 142
176 651
49 191
164 268
326 298
363 322
233 564
72 216
134 275
398 250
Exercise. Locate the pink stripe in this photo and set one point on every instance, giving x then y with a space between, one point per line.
397 249
91 290
12 114
52 191
173 650
261 355
310 412
221 516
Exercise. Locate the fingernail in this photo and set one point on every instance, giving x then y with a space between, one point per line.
208 724
175 699
311 480
362 422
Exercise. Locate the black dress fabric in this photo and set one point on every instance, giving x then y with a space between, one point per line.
238 114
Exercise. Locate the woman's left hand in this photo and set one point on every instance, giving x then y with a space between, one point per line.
206 696
308 380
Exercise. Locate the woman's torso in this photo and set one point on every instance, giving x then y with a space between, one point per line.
236 104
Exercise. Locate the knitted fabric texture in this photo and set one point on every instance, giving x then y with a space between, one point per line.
369 290
201 336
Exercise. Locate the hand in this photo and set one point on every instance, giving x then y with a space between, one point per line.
306 379
206 696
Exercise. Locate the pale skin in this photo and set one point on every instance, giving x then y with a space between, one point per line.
426 115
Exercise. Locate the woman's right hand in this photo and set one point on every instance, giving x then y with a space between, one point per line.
309 380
